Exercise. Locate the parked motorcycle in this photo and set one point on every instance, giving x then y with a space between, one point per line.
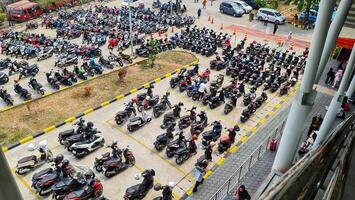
139 191
162 140
36 86
6 97
212 135
62 136
116 165
122 116
138 122
82 149
22 92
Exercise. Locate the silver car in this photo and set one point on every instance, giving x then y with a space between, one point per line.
271 15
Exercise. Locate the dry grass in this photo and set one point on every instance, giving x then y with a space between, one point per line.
37 115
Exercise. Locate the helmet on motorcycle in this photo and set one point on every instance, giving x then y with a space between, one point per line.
88 175
167 93
59 158
90 125
65 163
171 184
180 104
236 128
114 142
147 98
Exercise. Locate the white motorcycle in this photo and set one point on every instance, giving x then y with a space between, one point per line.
81 149
28 163
138 121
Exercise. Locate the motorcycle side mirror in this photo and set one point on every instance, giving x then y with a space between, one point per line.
137 176
31 147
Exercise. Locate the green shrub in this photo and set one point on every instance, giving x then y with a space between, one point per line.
260 3
300 5
2 17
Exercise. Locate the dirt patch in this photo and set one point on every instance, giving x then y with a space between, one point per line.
24 120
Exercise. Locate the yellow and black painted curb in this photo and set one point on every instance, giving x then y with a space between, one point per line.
234 148
90 110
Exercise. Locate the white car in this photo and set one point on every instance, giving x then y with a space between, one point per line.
134 3
271 15
245 6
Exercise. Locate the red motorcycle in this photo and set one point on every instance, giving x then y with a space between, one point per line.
205 76
112 43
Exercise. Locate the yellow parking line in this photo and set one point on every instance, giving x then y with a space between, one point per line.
151 150
4 149
263 120
27 185
278 105
105 103
244 139
253 129
271 113
189 191
157 80
208 173
88 111
133 90
119 97
220 161
146 85
46 130
26 139
233 149
70 119
167 75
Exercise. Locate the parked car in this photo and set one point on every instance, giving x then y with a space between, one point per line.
270 15
231 9
24 10
313 15
245 6
134 3
251 3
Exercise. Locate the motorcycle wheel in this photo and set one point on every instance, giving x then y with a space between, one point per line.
132 161
109 175
120 63
130 128
98 168
156 114
158 147
42 92
172 85
61 141
179 160
44 193
130 61
9 103
20 171
6 79
119 120
169 154
56 86
194 97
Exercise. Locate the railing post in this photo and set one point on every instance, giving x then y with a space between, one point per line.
251 158
240 171
259 152
229 181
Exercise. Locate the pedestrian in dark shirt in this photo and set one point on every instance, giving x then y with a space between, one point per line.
276 26
199 13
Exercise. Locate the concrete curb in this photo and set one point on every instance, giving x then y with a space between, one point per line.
90 110
234 148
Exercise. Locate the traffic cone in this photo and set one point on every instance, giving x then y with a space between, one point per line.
212 20
234 32
159 34
221 26
172 29
209 18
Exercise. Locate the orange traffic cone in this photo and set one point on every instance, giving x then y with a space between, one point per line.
221 26
172 29
234 32
212 20
209 18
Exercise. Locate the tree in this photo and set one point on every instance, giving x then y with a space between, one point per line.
153 51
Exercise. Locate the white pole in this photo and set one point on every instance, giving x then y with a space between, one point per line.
304 100
335 103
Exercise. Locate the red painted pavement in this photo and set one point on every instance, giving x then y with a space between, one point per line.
277 38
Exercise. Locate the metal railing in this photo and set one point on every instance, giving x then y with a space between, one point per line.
228 187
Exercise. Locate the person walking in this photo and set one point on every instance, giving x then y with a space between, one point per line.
204 2
276 26
338 77
199 13
330 77
242 193
198 175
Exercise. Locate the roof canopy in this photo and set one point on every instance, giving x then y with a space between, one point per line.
347 43
20 5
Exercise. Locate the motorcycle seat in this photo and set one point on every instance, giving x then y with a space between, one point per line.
76 193
207 133
107 154
181 150
156 97
42 172
65 182
133 189
28 158
113 160
134 119
49 177
67 132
